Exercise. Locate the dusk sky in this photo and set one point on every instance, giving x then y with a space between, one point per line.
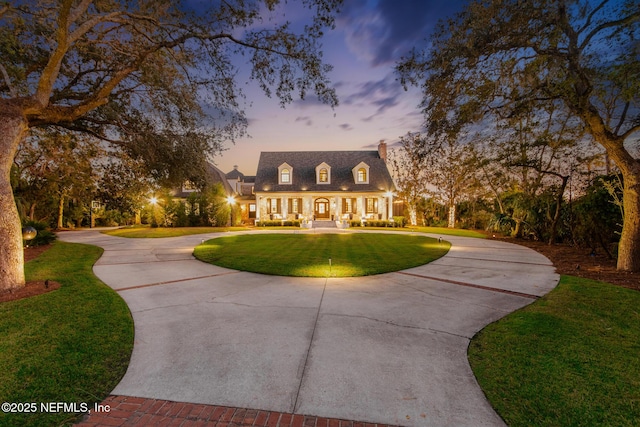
370 37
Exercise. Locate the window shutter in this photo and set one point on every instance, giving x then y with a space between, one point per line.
290 206
268 206
344 205
354 205
279 206
299 205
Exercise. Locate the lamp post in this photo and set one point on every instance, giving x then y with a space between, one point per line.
231 201
28 233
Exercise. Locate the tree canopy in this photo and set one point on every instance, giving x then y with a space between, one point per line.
500 59
154 78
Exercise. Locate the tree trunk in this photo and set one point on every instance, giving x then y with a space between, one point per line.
629 246
516 230
13 127
413 217
558 211
61 212
452 216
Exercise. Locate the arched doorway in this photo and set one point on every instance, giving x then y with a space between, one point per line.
321 208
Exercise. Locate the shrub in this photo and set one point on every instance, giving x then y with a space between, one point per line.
399 221
354 223
377 223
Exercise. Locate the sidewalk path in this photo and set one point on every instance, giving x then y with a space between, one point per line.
386 349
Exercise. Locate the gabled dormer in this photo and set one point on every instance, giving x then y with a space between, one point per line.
285 174
323 173
361 173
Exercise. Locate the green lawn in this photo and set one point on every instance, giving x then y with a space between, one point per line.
69 345
148 232
571 358
448 231
352 254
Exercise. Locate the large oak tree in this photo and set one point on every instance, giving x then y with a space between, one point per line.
498 58
155 78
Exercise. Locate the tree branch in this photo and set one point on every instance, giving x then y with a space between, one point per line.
626 20
7 81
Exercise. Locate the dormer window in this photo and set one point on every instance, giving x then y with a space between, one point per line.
285 174
323 173
361 173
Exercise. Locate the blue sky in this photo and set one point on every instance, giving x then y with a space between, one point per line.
370 37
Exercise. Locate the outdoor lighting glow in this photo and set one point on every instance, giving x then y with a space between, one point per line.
153 200
231 200
388 194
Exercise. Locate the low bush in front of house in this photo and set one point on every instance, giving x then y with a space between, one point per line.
278 223
377 223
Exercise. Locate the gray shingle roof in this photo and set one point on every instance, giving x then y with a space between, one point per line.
304 165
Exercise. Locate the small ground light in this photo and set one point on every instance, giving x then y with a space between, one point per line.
329 266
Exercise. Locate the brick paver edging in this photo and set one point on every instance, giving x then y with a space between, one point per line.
137 411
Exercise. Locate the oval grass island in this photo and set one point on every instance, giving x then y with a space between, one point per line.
321 255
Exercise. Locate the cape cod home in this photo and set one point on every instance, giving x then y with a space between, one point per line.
324 185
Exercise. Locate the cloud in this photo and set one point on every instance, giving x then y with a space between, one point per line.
345 126
306 119
384 31
383 94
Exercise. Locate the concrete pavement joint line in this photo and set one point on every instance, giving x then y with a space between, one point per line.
397 324
306 359
470 285
259 306
176 281
496 260
147 262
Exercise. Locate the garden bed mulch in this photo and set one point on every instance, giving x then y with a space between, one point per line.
31 288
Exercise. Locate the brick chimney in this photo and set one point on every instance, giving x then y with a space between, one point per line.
382 150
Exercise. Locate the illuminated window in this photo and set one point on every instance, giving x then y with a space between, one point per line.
372 205
323 173
348 205
295 205
273 206
285 176
362 175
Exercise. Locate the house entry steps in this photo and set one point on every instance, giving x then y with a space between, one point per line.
324 224
383 349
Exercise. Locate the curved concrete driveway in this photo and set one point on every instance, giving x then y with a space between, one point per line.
387 349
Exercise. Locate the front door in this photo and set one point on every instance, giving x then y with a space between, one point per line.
321 209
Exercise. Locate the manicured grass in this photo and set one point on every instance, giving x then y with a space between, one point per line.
69 345
148 232
308 254
449 231
571 358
